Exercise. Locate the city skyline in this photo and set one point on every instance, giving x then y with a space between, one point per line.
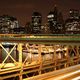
23 9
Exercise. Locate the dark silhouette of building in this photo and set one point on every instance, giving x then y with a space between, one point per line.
28 28
20 30
36 22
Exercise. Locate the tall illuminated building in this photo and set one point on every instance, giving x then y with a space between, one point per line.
36 22
7 23
55 21
72 24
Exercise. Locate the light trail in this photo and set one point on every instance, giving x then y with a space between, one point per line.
77 78
67 75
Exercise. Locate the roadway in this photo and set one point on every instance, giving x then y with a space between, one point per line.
70 73
75 75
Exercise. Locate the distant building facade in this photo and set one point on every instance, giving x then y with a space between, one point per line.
72 24
7 24
36 22
55 21
74 14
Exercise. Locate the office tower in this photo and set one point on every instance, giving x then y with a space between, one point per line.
7 23
72 24
36 22
55 21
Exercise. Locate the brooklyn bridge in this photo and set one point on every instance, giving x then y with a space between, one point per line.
39 57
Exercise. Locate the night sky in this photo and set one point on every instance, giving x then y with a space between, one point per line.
23 9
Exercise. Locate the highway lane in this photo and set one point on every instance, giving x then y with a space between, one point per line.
63 74
67 76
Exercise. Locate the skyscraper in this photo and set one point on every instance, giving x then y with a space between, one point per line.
51 21
7 23
55 21
36 22
72 24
